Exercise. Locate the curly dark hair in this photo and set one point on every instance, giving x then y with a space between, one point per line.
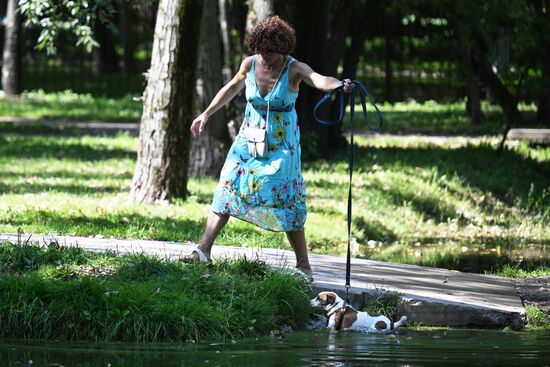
272 35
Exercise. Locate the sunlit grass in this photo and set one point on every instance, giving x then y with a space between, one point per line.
68 105
410 117
457 204
432 117
536 318
515 271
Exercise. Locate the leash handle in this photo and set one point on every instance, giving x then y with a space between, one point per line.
354 85
363 94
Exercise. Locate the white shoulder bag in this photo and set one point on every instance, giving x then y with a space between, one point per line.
257 137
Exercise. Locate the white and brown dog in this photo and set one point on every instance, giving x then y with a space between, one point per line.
351 319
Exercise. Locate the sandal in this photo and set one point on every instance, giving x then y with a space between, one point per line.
201 258
306 273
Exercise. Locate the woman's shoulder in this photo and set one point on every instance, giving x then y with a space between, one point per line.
298 67
246 64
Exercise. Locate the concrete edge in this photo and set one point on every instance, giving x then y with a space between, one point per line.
433 312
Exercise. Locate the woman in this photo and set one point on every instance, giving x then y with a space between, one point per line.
268 192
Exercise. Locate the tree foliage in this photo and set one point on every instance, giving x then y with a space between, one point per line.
73 16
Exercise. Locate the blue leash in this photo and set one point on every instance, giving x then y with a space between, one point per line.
354 85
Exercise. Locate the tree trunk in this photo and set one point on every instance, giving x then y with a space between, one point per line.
311 36
228 64
543 109
105 56
471 73
163 155
258 10
473 95
11 62
330 137
388 57
209 149
501 93
127 19
473 100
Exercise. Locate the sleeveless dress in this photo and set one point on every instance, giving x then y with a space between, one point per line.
268 192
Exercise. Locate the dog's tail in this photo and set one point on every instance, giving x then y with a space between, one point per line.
401 321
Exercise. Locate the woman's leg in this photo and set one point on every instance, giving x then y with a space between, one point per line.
214 224
297 240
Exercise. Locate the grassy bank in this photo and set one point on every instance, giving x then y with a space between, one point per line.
71 294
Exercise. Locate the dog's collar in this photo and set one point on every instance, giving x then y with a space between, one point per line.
336 307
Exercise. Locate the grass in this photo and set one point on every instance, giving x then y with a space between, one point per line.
431 117
452 202
458 204
411 117
70 294
69 106
515 271
535 318
383 303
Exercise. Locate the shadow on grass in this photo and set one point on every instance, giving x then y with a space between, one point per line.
507 175
82 187
441 122
373 230
68 174
60 149
122 225
26 188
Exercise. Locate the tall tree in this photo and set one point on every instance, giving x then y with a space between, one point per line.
542 30
320 42
208 150
105 56
476 35
127 19
163 155
11 57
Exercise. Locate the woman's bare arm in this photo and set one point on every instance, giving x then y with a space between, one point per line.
313 79
224 95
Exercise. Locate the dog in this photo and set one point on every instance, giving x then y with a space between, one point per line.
351 318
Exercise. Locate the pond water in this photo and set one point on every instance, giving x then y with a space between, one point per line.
458 347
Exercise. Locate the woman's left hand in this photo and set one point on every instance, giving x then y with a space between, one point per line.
346 83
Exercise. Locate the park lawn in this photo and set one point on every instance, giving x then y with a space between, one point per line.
63 293
68 105
435 118
457 205
410 117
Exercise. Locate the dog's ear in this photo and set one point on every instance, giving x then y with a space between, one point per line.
331 298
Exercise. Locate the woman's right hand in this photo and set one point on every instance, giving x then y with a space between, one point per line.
198 124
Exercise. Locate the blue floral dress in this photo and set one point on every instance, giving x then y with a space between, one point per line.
268 192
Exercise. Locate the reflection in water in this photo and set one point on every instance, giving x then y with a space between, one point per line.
409 348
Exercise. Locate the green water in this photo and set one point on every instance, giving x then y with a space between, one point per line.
409 348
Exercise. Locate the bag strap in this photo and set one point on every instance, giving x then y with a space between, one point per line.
362 93
272 89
